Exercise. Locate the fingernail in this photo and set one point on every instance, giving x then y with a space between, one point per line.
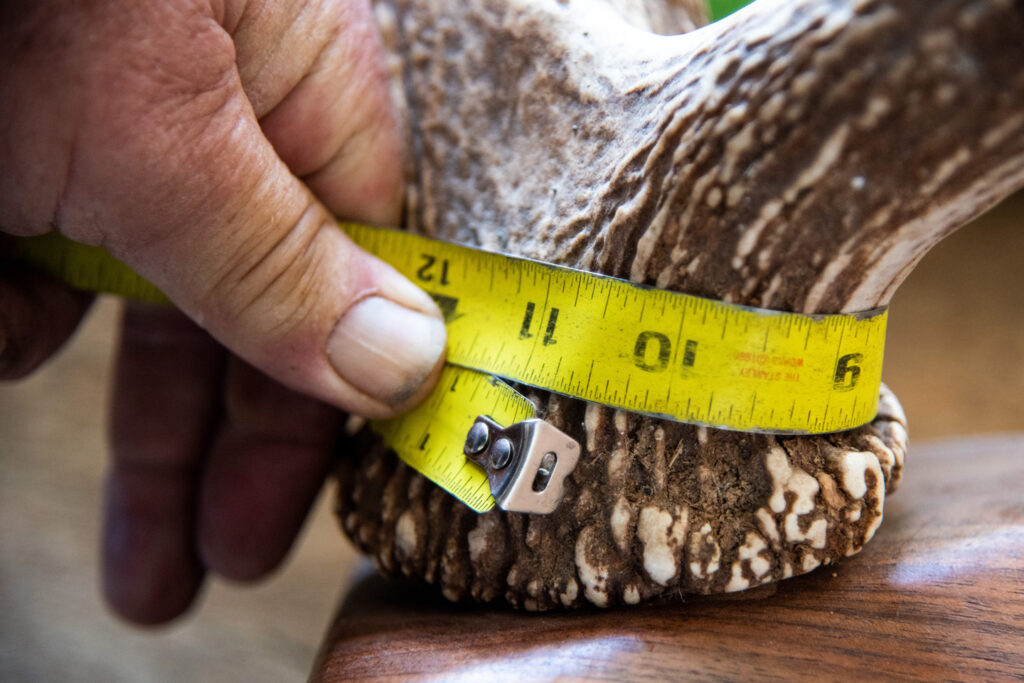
385 349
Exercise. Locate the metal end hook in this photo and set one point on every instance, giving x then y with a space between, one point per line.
526 463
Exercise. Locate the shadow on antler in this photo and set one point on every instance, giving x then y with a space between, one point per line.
798 155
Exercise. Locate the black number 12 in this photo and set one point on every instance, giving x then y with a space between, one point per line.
425 272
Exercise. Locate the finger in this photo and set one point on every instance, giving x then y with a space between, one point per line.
330 119
269 460
166 403
37 315
214 216
259 262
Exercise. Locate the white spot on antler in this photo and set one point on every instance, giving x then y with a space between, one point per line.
405 534
766 521
853 465
702 542
593 576
749 552
622 516
662 537
570 593
477 538
786 478
804 489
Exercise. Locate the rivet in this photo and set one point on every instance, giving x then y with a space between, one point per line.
476 440
501 454
547 463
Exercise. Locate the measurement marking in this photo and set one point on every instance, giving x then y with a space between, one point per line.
679 334
807 340
524 332
691 353
543 310
549 333
607 301
839 349
764 347
500 353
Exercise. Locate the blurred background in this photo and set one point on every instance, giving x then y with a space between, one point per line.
955 358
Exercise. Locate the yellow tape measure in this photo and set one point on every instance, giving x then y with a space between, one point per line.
430 437
645 350
84 267
584 335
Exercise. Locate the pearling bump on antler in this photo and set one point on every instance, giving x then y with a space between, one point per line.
799 155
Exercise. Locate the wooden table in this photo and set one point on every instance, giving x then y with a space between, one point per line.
938 594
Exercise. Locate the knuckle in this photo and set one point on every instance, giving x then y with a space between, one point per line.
277 281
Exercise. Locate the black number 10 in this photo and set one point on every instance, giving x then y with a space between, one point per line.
663 345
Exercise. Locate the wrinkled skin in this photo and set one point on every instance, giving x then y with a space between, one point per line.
209 146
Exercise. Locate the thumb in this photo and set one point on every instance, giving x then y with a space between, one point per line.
216 219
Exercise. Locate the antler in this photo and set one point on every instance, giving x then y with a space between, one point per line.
798 155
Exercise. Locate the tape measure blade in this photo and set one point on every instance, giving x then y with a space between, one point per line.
85 267
440 425
600 339
620 344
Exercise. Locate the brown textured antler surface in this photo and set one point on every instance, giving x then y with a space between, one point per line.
799 155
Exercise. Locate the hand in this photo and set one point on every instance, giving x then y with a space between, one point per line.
208 145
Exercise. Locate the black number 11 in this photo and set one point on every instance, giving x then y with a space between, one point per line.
549 332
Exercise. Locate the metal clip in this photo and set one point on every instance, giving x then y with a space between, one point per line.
526 463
